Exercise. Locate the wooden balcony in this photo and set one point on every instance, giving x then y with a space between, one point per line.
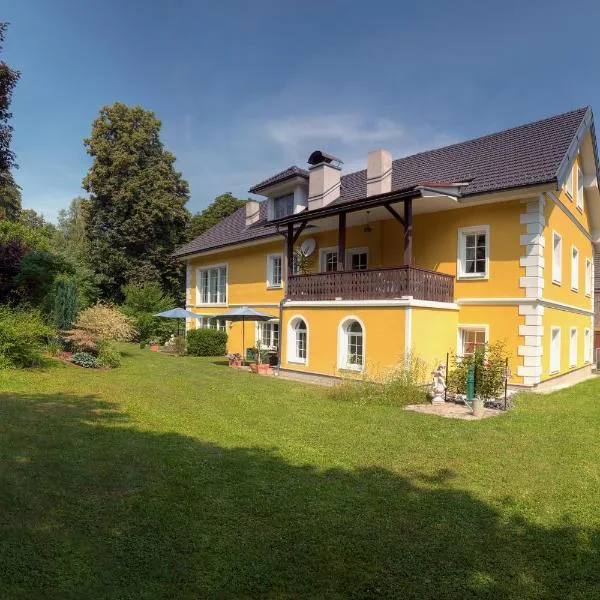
372 284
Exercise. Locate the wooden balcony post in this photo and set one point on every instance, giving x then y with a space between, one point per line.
341 257
408 231
289 245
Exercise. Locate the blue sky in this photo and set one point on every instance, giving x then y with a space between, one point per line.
245 89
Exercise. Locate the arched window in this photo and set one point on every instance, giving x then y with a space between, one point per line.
297 340
351 345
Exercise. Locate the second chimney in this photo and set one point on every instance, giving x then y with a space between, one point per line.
324 179
252 212
379 172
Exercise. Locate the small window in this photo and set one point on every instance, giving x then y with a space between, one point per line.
358 260
352 346
569 184
208 323
283 206
274 270
574 269
555 350
587 345
588 277
579 189
267 334
473 252
329 261
556 258
297 341
573 347
470 340
212 285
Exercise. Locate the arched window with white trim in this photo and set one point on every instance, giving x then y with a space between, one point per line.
297 346
351 345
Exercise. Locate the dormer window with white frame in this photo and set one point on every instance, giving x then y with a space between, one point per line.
283 206
579 189
474 252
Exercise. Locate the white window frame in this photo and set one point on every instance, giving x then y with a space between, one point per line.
281 197
580 192
573 342
322 256
463 327
198 291
342 353
556 262
271 345
588 277
292 356
463 232
270 258
587 345
569 184
352 251
555 352
574 269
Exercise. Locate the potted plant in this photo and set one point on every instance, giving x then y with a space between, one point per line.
235 360
153 345
259 366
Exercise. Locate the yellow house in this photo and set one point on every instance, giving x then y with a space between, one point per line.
486 240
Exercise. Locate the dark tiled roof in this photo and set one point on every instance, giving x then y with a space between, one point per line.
290 172
518 157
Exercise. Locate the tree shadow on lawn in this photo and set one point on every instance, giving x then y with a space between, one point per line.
92 508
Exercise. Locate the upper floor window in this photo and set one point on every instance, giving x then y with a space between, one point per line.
556 258
351 345
588 277
283 206
358 259
212 285
569 184
329 261
579 189
473 252
574 268
274 270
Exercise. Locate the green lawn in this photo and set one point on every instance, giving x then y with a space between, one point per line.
179 478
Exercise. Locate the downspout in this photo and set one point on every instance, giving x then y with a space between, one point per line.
281 302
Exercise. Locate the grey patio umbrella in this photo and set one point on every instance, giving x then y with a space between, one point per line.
178 313
243 314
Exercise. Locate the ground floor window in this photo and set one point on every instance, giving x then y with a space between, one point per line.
351 346
555 350
573 347
587 345
297 342
267 334
208 323
471 338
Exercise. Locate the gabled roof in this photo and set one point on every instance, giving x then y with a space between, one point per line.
527 155
288 173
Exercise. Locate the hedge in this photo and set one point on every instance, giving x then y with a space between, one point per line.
206 342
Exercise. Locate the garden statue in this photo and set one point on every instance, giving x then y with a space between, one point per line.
438 385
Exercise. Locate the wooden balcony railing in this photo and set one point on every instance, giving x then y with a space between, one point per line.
372 284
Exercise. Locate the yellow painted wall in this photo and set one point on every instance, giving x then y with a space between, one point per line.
565 320
433 334
503 323
557 220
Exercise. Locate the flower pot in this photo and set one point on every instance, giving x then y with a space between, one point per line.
478 408
235 363
260 369
154 347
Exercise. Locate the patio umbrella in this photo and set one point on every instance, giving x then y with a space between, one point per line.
243 314
178 313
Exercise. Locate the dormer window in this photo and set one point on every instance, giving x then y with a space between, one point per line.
283 206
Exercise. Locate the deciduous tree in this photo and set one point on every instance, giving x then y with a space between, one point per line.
222 206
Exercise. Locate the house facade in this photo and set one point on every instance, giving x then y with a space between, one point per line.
483 241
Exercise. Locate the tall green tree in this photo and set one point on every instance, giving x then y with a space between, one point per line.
70 228
10 193
136 215
222 206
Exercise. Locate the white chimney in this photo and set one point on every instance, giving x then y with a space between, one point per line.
252 212
379 172
323 179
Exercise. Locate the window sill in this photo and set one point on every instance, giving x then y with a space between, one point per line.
473 277
211 305
350 369
574 289
569 195
296 361
556 282
555 372
580 209
274 287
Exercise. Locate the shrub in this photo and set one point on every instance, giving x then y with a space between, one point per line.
99 323
404 384
108 355
488 363
141 303
85 359
206 342
23 335
66 303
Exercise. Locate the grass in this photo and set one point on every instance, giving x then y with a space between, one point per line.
180 478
